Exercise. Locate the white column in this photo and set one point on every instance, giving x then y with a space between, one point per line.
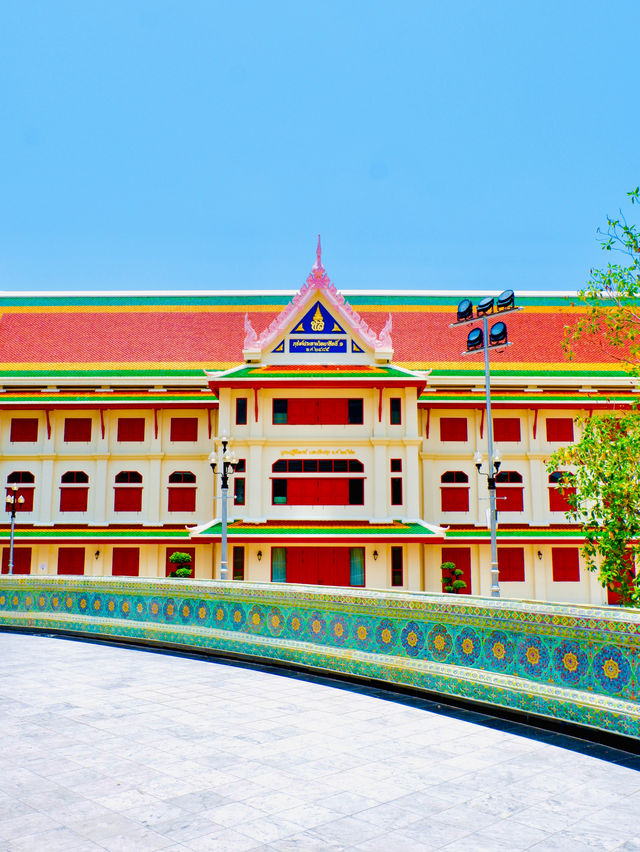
380 481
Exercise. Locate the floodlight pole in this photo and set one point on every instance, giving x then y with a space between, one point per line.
491 478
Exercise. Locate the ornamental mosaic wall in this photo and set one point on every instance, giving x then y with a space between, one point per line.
576 663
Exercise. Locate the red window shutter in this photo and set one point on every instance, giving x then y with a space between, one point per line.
171 566
334 566
302 492
509 499
333 411
557 501
461 558
511 564
127 499
454 499
71 560
333 492
184 429
24 430
182 499
77 429
559 429
506 428
125 562
453 429
565 564
73 499
27 493
21 560
131 429
302 411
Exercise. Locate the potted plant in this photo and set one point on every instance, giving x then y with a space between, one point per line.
451 578
183 563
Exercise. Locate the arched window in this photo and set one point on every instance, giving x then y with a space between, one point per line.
74 477
128 477
74 491
182 477
26 480
510 491
558 501
182 491
128 491
454 491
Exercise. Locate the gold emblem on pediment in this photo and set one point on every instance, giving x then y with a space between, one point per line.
317 322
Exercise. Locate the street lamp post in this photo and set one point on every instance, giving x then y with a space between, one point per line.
485 339
223 464
13 501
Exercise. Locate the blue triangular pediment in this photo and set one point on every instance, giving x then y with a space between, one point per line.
317 320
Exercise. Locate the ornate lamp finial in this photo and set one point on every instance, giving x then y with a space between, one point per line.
318 268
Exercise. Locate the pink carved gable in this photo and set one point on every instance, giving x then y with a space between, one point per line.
318 282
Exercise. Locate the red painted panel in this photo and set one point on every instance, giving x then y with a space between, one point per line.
77 429
182 499
454 499
21 560
453 429
128 499
27 493
301 492
71 560
461 558
131 429
511 564
565 564
170 566
506 428
24 430
560 429
323 566
302 411
184 429
73 499
333 411
557 501
509 499
125 562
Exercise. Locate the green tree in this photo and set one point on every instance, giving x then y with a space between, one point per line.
452 581
610 299
602 487
183 561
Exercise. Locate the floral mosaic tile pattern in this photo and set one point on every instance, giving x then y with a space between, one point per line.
578 663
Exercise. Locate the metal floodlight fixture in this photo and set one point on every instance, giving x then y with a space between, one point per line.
498 334
505 300
475 340
485 306
465 310
477 459
497 459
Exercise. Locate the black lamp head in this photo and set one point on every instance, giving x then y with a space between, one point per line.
475 340
485 306
465 310
505 300
498 334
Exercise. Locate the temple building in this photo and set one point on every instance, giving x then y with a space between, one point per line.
354 418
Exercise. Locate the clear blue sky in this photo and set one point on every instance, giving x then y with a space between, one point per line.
201 144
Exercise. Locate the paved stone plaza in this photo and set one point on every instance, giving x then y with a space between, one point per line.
119 749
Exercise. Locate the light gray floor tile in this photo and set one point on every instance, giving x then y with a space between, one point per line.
116 749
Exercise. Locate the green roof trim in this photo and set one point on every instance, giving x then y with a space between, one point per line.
538 373
105 371
399 530
521 533
93 533
61 399
583 399
274 373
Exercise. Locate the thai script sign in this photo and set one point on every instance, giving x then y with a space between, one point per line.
309 344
